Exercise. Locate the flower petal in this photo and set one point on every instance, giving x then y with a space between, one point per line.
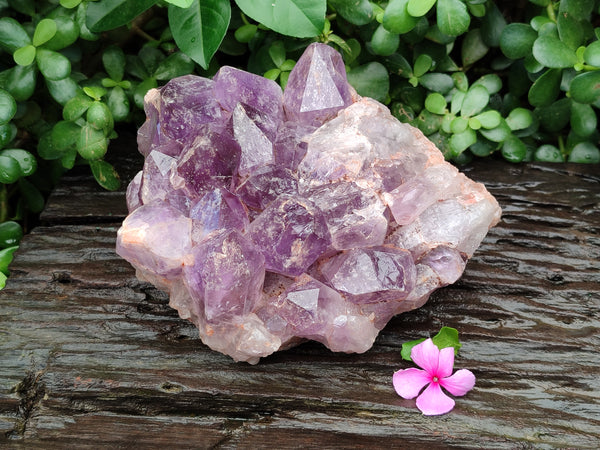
409 382
446 362
426 355
433 401
460 383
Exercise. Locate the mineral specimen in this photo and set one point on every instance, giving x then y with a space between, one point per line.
275 217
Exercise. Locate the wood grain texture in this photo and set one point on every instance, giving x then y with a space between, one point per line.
91 357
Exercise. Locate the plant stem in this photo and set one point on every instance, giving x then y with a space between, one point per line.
550 11
3 204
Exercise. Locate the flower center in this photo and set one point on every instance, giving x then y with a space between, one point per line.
435 379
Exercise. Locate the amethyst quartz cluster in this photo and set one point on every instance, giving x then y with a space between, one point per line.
276 217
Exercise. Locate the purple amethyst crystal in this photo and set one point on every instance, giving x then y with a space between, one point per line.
272 218
291 233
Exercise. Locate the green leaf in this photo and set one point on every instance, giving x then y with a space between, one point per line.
12 35
76 107
459 142
106 15
81 19
435 103
383 42
11 234
175 65
92 143
26 160
476 98
246 32
141 90
8 132
402 112
585 87
458 125
94 92
358 12
476 9
44 31
583 119
24 56
591 55
272 74
492 25
52 65
585 152
516 40
181 3
446 337
453 18
546 88
570 30
489 119
474 123
26 7
396 18
6 257
491 82
46 148
118 104
99 116
552 52
418 8
539 21
473 47
8 107
460 81
370 80
497 134
277 53
63 90
289 64
105 175
482 148
407 347
579 9
34 200
199 29
423 63
10 171
437 82
532 65
113 60
67 160
548 153
519 119
555 116
297 18
457 100
67 32
64 135
514 149
20 82
69 4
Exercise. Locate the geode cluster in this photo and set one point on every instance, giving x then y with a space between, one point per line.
276 217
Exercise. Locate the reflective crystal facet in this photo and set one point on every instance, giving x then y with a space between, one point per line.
272 218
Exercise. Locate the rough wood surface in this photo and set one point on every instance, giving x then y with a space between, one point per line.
91 357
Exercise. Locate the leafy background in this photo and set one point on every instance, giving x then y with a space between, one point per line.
518 79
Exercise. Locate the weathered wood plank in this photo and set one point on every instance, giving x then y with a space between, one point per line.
90 355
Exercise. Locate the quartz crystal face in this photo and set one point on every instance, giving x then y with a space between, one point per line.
275 217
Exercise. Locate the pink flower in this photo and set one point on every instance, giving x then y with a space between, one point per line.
437 373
